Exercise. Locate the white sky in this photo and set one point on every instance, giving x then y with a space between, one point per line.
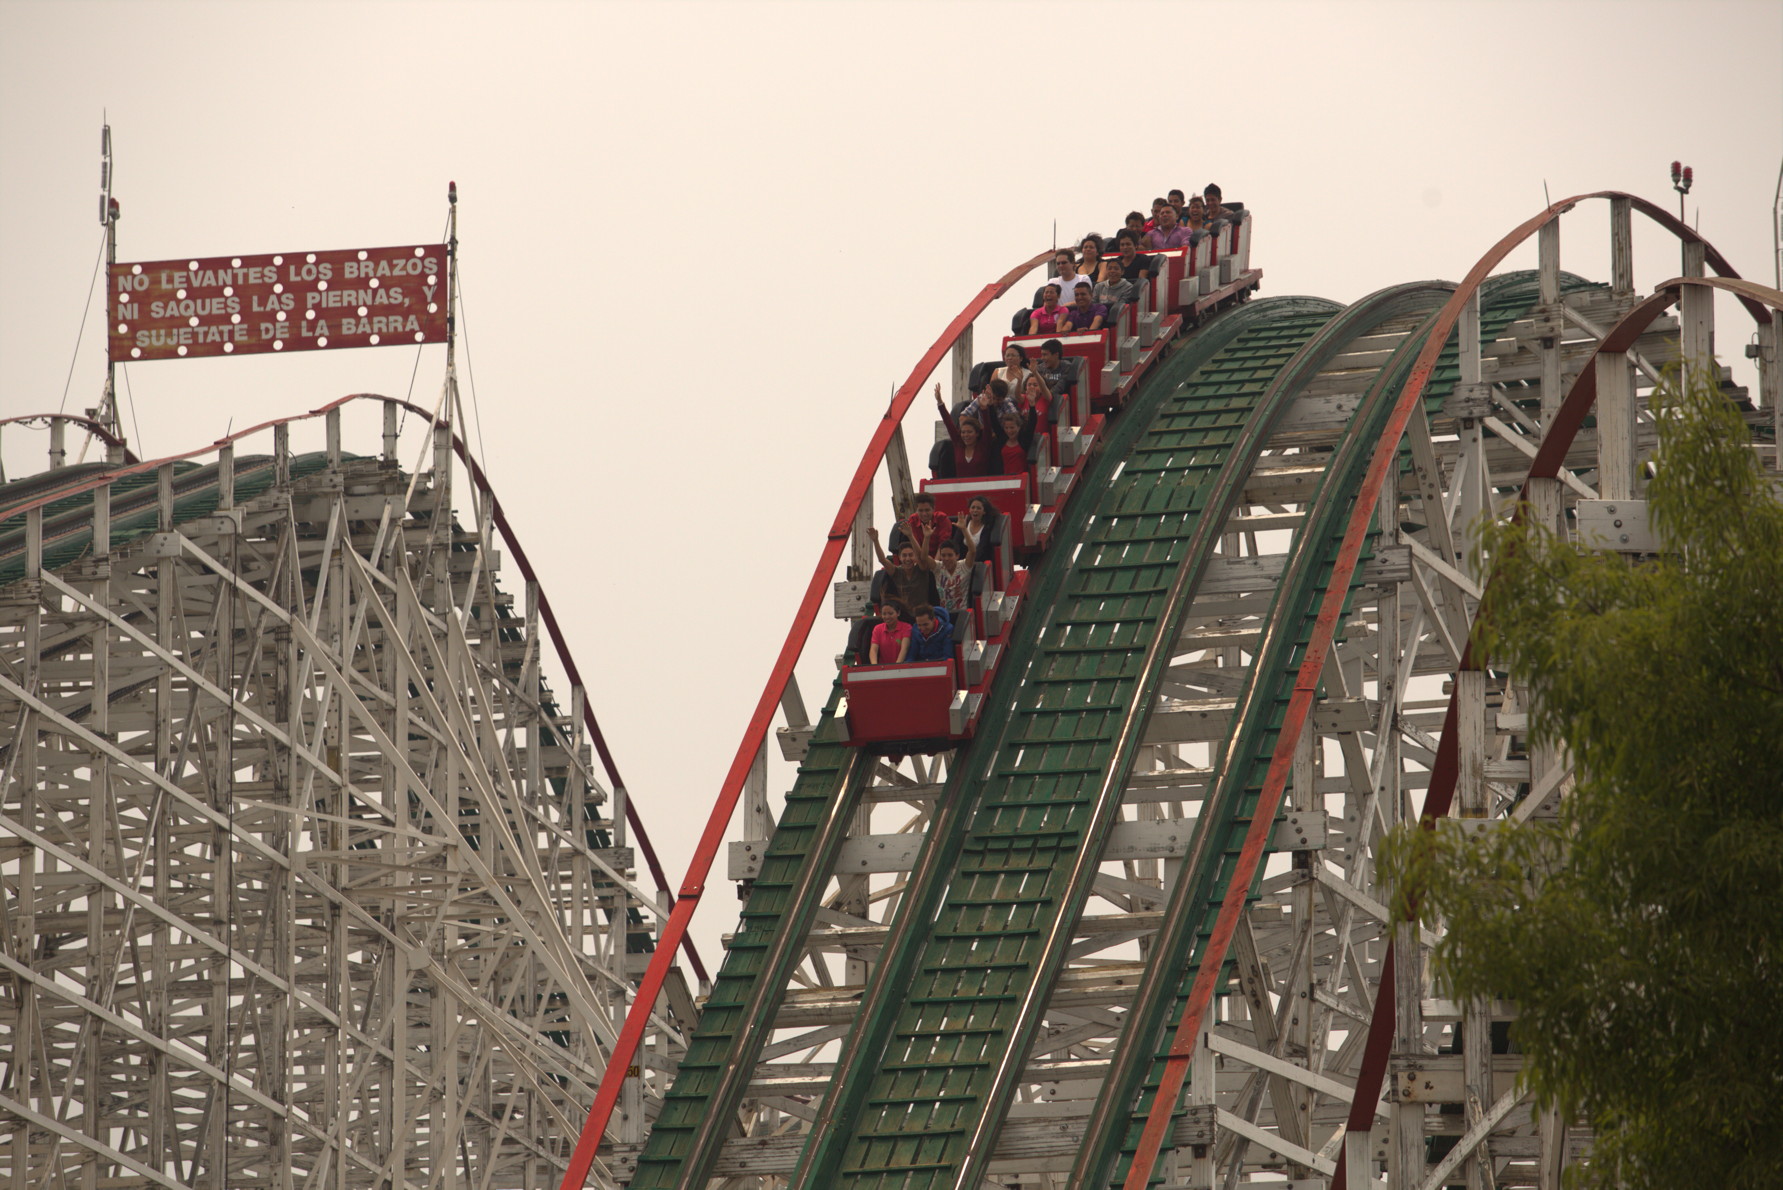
702 242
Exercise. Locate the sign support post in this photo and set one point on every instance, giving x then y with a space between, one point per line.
108 216
455 412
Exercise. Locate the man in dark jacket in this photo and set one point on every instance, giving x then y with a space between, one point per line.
932 637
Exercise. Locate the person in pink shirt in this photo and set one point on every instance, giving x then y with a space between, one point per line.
891 638
1045 320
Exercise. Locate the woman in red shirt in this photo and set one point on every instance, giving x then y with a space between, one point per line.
1018 436
972 455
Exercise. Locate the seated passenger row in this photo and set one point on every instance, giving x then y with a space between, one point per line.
920 601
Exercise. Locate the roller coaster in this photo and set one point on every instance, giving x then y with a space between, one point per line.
329 889
1129 933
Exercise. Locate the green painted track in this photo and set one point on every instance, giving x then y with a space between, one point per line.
934 1061
925 1070
68 522
698 1112
1113 1131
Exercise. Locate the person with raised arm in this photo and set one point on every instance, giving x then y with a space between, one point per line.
1017 436
973 455
1034 397
952 570
953 576
906 584
922 527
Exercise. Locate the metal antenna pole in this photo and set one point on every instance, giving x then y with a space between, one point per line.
108 216
457 412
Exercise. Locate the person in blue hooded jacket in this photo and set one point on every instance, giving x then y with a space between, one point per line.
932 637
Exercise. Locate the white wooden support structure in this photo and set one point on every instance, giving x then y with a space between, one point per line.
1616 462
1548 270
960 369
897 470
1696 318
1770 378
1621 247
308 880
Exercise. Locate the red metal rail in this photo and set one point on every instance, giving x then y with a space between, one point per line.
1445 769
755 735
1306 682
482 483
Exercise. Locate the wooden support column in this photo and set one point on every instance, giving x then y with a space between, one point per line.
1617 477
32 1079
1406 1157
1468 332
1473 802
390 431
163 1114
1696 317
1551 1128
101 816
1621 247
1548 264
1303 795
854 896
861 562
1199 1161
1545 509
1770 379
281 456
58 443
897 470
758 819
961 367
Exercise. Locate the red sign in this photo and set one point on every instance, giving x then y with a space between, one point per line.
291 301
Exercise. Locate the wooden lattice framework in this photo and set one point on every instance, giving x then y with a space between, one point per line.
309 880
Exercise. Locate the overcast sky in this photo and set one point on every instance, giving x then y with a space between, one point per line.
701 243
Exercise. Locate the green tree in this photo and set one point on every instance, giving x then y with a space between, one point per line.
1640 933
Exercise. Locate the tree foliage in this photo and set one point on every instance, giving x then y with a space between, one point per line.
1640 933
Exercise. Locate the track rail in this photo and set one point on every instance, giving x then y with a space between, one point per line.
1004 876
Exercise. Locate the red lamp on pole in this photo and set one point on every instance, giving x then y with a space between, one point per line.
1682 177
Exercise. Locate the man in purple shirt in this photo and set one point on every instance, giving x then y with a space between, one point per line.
1084 312
1168 233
